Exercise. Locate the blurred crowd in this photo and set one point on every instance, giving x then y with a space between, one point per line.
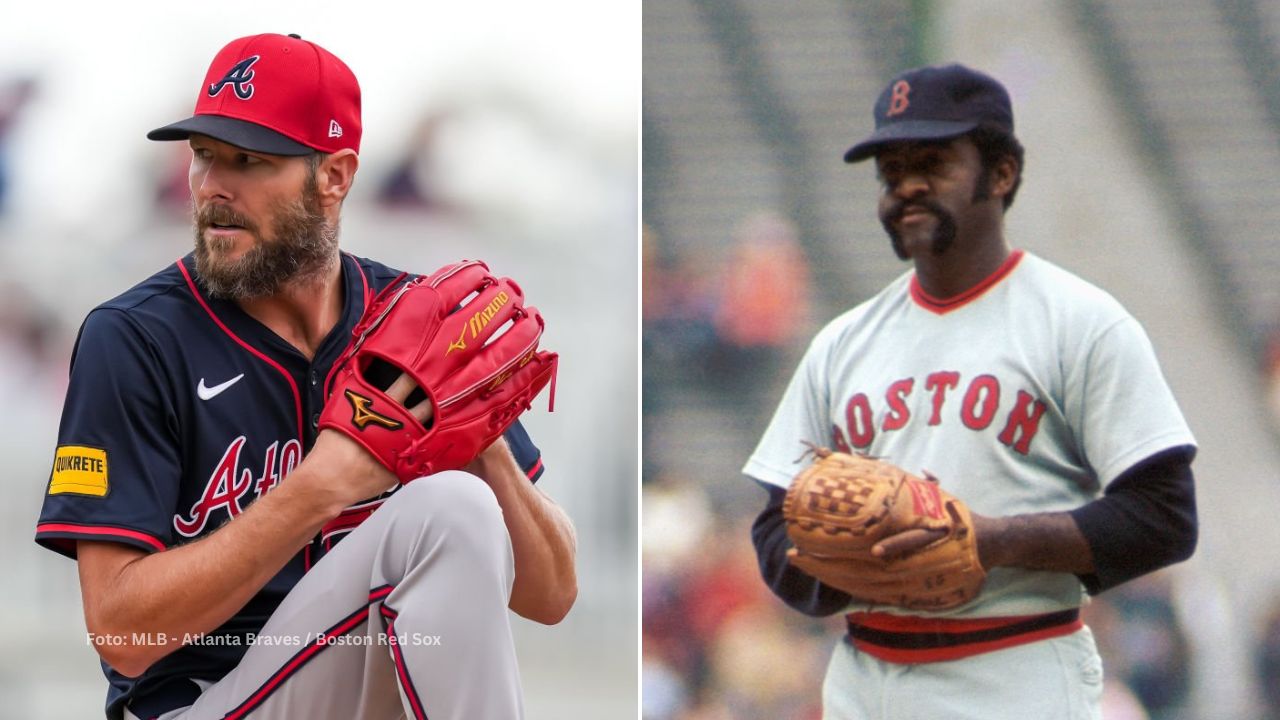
33 337
716 643
718 331
726 323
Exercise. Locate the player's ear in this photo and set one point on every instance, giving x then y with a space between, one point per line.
1004 176
334 176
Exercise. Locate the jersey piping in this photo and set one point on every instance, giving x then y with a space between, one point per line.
942 306
364 281
78 531
407 686
297 397
324 640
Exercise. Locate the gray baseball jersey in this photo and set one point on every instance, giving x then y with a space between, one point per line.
1028 393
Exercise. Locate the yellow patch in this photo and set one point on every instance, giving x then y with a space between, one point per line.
79 470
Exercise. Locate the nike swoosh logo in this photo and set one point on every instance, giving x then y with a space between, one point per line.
208 393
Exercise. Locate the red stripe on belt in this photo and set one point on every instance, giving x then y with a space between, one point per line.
910 639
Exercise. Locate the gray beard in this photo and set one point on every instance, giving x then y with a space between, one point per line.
301 247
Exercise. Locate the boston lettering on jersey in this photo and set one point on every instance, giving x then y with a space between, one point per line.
231 489
978 409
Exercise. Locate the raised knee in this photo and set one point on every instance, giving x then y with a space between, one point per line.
453 498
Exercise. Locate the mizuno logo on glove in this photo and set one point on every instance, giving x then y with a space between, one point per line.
479 321
362 415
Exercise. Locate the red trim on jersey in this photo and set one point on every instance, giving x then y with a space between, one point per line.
402 670
909 639
534 470
297 397
98 532
364 285
348 520
303 656
380 593
364 281
942 306
928 625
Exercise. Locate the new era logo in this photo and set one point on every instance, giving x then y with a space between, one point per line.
335 130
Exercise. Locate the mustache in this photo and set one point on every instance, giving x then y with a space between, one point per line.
943 235
211 215
899 208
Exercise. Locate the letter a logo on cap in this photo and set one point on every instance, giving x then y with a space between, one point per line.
899 98
238 78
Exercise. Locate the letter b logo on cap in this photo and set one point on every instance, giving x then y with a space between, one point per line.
899 98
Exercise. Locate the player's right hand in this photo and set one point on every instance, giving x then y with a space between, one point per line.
905 543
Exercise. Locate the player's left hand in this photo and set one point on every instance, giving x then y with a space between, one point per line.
470 344
882 535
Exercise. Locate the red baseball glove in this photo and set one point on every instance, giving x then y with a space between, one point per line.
470 344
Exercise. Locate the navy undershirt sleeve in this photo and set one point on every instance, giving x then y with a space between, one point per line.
795 588
1146 520
526 453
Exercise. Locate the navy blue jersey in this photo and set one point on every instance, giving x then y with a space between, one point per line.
180 412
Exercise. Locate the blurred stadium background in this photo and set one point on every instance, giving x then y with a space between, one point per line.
505 131
1152 130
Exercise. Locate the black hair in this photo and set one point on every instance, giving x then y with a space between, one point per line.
993 146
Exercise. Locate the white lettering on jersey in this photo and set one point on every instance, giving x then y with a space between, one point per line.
229 484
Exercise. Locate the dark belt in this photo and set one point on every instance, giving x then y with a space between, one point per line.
912 639
172 695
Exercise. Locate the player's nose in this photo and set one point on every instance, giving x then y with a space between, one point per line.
207 183
911 185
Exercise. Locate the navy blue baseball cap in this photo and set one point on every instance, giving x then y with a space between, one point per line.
937 102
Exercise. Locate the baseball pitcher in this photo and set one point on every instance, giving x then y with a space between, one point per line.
293 479
991 441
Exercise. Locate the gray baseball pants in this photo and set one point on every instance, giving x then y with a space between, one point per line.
406 617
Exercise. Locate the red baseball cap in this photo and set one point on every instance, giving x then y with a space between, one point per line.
275 94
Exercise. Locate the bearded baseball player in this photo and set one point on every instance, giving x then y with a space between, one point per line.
233 417
992 442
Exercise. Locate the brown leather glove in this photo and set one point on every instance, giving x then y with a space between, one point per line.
839 507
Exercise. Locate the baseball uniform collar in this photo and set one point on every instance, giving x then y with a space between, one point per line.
942 306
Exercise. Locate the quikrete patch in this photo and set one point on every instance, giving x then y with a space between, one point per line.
79 470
